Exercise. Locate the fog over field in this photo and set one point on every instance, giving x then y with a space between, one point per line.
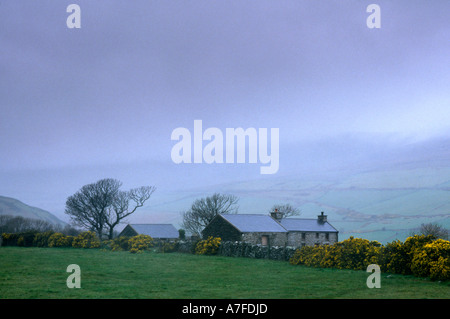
379 194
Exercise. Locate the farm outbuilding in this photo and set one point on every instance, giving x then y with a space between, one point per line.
272 230
156 231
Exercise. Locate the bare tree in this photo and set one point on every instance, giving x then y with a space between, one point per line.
18 224
100 206
286 209
205 209
121 209
434 229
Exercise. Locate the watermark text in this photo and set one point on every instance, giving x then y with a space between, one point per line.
231 147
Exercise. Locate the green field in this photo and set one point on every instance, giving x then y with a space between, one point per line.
41 273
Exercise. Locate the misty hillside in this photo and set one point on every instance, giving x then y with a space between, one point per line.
377 205
382 194
14 207
369 186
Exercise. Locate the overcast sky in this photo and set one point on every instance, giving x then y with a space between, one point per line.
111 92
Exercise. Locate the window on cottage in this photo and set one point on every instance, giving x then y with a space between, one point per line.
303 236
264 240
317 235
327 236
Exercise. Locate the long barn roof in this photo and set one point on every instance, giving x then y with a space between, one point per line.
306 225
248 223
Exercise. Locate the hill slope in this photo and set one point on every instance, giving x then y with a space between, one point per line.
14 207
382 205
378 205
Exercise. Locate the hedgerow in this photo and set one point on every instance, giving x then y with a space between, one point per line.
24 239
41 239
60 240
118 243
87 239
419 255
352 253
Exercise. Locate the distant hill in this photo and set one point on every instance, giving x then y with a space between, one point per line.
14 207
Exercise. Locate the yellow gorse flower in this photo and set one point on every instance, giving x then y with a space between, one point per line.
419 255
209 246
140 243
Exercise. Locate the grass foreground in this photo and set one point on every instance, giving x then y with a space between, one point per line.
40 273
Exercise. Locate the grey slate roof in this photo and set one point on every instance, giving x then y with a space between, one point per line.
156 230
306 225
247 223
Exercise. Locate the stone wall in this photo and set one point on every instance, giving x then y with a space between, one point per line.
243 249
274 239
186 246
311 238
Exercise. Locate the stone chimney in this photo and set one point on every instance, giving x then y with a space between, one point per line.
322 218
277 215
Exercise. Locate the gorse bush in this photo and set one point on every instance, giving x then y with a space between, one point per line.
414 245
419 255
309 256
140 243
60 240
87 239
352 253
41 239
119 243
56 240
432 260
396 257
356 253
208 246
